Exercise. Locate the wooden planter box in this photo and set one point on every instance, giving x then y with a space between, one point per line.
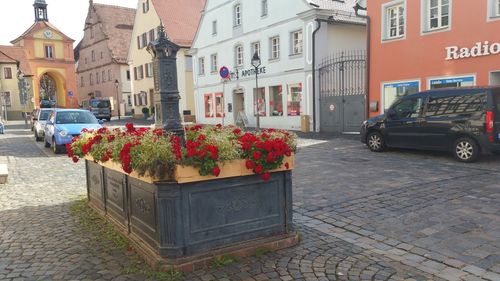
187 221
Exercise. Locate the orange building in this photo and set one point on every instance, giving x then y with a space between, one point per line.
424 44
50 55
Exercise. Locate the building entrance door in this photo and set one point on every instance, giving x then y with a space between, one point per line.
240 118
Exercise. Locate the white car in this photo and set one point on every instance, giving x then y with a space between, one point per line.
40 119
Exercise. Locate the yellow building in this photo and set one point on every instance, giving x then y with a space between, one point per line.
49 54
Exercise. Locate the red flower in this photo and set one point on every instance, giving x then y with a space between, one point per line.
249 164
257 155
111 138
105 158
216 171
259 169
270 157
159 132
237 131
246 146
202 153
266 176
75 159
202 137
287 166
130 127
218 126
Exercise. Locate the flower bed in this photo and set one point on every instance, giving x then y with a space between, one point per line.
211 151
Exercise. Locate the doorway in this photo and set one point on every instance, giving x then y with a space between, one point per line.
239 108
495 78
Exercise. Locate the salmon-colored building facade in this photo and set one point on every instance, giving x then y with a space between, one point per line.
418 45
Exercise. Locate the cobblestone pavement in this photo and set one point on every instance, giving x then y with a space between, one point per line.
399 215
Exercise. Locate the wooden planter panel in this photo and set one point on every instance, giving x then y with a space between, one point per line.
115 184
95 185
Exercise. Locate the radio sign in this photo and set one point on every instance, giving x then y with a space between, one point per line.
478 50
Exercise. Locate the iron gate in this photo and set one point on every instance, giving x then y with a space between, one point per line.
342 89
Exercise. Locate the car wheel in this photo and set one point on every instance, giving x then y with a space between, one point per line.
466 150
47 144
375 141
37 138
56 148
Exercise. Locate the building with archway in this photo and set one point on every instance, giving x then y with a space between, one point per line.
49 54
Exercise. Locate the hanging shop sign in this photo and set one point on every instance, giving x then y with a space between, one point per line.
478 50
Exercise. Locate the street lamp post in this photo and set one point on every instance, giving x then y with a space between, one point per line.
117 98
256 64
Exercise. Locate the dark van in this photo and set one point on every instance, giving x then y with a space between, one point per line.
465 121
101 108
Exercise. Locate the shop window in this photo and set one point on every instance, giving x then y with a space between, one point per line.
393 20
209 106
219 105
452 82
276 101
293 99
275 48
7 73
260 104
394 91
296 42
436 14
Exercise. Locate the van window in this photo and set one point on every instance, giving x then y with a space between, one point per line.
100 103
455 106
409 108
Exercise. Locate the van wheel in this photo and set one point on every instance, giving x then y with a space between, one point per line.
465 150
375 142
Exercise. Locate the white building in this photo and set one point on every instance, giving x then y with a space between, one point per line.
281 32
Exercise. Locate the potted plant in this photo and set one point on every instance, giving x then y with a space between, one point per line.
145 111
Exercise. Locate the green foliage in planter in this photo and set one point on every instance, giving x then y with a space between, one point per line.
145 110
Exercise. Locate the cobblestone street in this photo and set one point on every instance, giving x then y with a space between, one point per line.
398 215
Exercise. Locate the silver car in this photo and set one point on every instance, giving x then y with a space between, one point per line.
39 123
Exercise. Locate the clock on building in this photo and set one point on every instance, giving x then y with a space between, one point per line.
47 34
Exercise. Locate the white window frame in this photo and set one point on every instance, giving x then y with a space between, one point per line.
426 16
274 48
238 55
213 63
237 18
254 48
201 66
386 20
214 27
493 10
457 76
293 43
264 8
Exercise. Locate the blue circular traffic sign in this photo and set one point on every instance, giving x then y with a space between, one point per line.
224 72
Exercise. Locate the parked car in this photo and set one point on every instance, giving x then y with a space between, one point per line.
64 124
39 121
101 108
465 121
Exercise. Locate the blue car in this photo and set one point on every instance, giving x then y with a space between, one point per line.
64 124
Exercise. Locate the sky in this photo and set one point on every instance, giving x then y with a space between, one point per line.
16 16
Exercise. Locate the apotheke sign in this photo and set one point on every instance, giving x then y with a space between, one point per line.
478 50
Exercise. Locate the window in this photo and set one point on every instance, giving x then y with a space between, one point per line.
394 91
209 110
407 109
6 98
494 9
275 48
296 42
86 61
201 66
219 105
49 51
139 42
145 6
93 56
189 63
276 101
102 55
497 6
214 27
263 11
91 32
128 75
237 15
438 14
152 35
213 63
141 98
97 78
256 48
149 69
140 72
7 73
293 99
109 74
452 82
82 81
455 106
238 55
91 79
260 103
103 76
394 24
144 39
129 100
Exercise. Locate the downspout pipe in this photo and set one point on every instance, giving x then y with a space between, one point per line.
368 57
